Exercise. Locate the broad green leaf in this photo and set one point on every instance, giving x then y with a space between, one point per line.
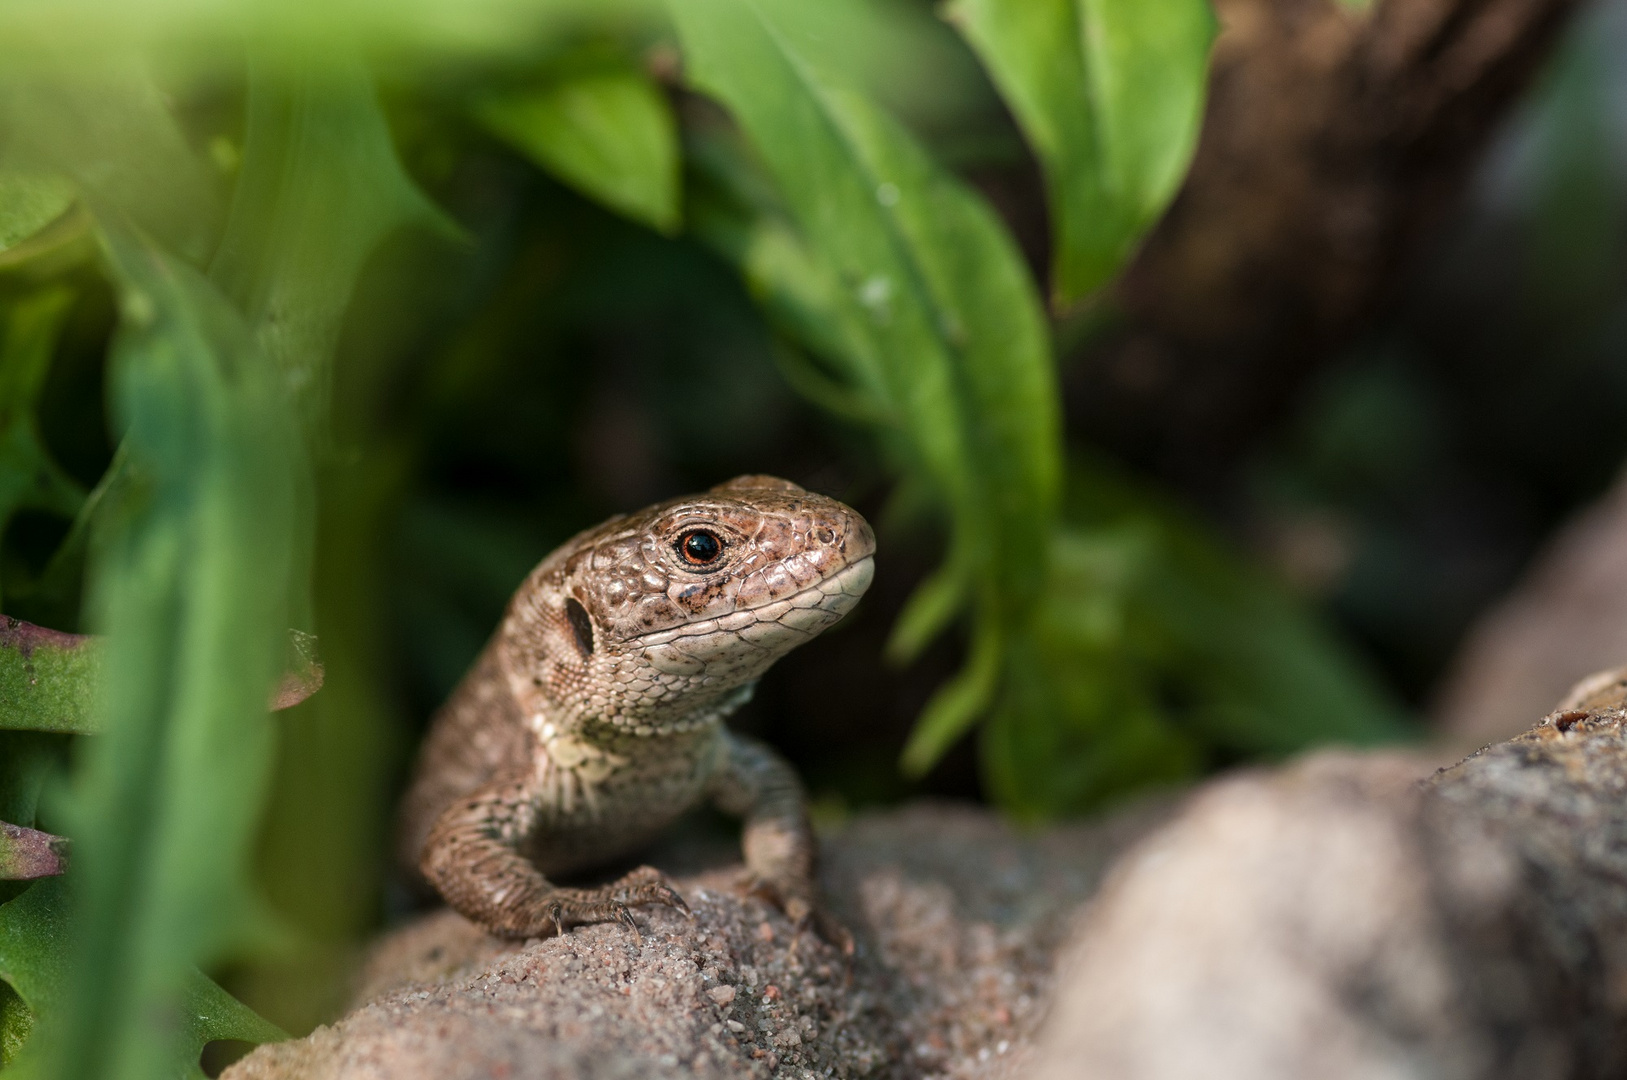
191 587
609 134
920 292
34 939
908 284
28 203
320 187
1109 94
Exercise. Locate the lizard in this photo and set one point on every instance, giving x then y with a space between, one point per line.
594 716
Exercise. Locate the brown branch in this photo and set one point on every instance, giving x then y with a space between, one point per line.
1333 142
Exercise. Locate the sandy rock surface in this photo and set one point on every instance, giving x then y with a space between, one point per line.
958 918
1347 916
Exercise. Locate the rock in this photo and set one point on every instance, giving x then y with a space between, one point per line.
1346 916
1341 919
958 918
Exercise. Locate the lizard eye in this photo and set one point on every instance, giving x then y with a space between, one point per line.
699 547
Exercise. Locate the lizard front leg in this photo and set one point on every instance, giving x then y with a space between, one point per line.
759 786
473 858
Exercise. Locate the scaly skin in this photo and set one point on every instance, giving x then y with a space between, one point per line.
594 716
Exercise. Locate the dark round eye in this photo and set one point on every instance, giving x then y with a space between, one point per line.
699 547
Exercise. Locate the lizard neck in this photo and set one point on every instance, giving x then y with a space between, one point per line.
605 732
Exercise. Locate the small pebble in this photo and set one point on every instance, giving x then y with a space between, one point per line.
771 992
765 932
723 995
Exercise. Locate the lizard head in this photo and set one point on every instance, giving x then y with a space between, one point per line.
662 620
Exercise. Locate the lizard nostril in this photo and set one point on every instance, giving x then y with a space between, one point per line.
824 535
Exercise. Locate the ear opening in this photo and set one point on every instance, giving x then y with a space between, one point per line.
581 625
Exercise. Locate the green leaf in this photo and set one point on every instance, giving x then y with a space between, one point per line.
1077 726
928 612
34 940
191 586
320 187
905 281
921 294
51 681
28 203
957 704
609 134
207 36
1156 649
1263 673
48 679
1109 94
112 135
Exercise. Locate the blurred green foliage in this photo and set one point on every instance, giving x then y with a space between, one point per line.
203 205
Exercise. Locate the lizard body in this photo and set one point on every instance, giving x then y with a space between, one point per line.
594 716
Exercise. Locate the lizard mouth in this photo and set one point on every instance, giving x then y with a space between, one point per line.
807 610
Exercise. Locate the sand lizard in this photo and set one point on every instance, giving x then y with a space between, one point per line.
594 716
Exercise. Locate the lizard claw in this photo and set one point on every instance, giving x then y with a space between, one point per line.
624 915
671 897
556 912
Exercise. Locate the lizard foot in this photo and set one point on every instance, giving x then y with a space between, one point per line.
804 911
613 902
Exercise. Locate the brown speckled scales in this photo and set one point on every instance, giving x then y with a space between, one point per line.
594 716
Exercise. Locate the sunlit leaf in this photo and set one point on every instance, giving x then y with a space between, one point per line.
915 291
609 134
34 939
1110 95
